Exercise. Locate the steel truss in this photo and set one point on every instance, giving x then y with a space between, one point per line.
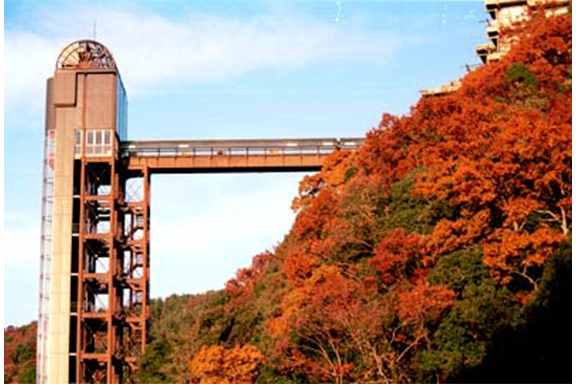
110 271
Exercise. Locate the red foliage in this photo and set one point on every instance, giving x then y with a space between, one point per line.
241 287
218 365
398 256
424 303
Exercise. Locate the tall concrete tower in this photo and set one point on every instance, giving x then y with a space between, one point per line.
83 327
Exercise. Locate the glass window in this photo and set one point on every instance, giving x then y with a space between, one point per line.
107 137
98 142
77 141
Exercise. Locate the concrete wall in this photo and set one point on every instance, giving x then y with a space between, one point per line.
101 101
81 100
65 119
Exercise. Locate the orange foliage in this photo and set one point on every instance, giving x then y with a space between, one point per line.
312 218
241 287
397 256
449 236
512 253
314 312
333 174
298 267
218 365
424 303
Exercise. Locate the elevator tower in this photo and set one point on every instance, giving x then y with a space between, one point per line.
93 307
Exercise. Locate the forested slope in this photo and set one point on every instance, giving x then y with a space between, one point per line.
440 251
20 354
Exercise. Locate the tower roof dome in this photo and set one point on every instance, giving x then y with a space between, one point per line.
85 54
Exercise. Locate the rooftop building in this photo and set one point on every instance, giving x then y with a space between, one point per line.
504 14
452 86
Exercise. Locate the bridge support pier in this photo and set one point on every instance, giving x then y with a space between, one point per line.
134 278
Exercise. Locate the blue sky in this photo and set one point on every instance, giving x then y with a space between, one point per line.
220 69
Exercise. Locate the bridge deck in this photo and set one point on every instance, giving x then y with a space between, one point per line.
214 156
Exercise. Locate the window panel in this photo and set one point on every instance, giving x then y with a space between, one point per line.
77 142
107 137
98 142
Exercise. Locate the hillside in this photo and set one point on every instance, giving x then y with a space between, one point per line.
441 251
20 354
438 252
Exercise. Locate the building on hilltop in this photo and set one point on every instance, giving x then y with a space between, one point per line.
503 13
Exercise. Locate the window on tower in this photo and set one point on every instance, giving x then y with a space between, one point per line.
98 142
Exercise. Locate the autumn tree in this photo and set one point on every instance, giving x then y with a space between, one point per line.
20 354
218 365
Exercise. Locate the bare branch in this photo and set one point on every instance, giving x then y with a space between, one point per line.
394 334
564 223
548 212
525 275
414 343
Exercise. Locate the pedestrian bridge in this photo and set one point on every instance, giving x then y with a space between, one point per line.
214 156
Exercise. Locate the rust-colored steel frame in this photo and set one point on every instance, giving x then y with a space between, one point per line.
112 306
98 332
135 260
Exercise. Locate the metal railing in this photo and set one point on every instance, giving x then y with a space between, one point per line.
193 148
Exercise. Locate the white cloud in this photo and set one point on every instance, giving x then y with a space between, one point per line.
156 52
21 246
28 62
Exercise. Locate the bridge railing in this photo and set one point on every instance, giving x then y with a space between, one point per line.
281 147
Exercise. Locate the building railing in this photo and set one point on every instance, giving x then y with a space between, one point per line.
211 148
